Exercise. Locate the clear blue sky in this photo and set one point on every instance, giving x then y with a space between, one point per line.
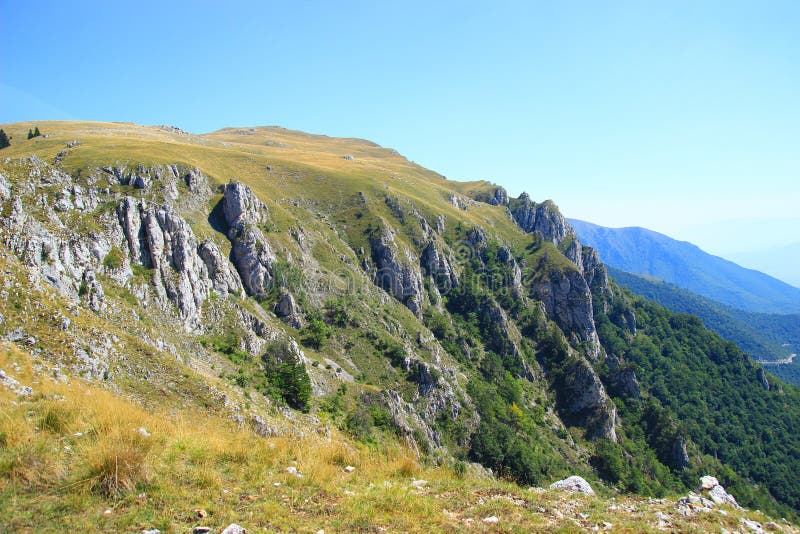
671 115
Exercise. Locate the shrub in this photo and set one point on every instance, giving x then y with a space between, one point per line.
316 332
54 418
114 258
115 465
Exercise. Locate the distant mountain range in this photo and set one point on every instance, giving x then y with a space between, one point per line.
643 251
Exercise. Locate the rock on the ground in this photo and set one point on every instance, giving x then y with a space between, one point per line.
575 484
720 496
752 526
233 528
707 482
491 520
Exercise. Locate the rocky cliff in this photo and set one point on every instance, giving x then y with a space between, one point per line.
472 326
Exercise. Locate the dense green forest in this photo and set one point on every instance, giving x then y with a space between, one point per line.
764 336
713 389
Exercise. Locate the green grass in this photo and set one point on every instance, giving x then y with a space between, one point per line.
50 476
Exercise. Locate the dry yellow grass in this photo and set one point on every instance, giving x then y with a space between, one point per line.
73 455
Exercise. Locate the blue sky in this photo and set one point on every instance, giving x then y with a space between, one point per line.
670 115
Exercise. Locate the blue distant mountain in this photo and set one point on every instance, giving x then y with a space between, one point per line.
642 251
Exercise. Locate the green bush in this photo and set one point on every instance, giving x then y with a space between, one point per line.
316 332
114 258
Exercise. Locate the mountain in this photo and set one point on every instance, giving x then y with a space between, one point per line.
765 337
291 330
642 251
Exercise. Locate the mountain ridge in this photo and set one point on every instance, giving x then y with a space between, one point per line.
642 251
288 288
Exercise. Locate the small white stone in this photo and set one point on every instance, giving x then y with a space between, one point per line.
491 520
419 483
143 432
349 469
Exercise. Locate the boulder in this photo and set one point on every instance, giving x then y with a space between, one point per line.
574 484
286 308
707 482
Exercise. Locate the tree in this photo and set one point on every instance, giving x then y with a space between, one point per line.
36 132
4 140
287 376
30 134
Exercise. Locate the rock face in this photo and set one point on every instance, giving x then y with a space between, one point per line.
566 298
5 188
436 265
396 271
500 197
286 308
158 238
585 398
544 219
223 276
574 484
678 455
623 378
497 197
566 294
136 233
252 254
762 378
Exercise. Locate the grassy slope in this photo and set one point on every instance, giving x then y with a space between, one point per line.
312 170
72 454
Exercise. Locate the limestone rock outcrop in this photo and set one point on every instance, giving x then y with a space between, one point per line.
584 398
252 253
437 265
397 271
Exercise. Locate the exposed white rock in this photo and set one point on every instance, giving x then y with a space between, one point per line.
707 482
752 526
575 484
